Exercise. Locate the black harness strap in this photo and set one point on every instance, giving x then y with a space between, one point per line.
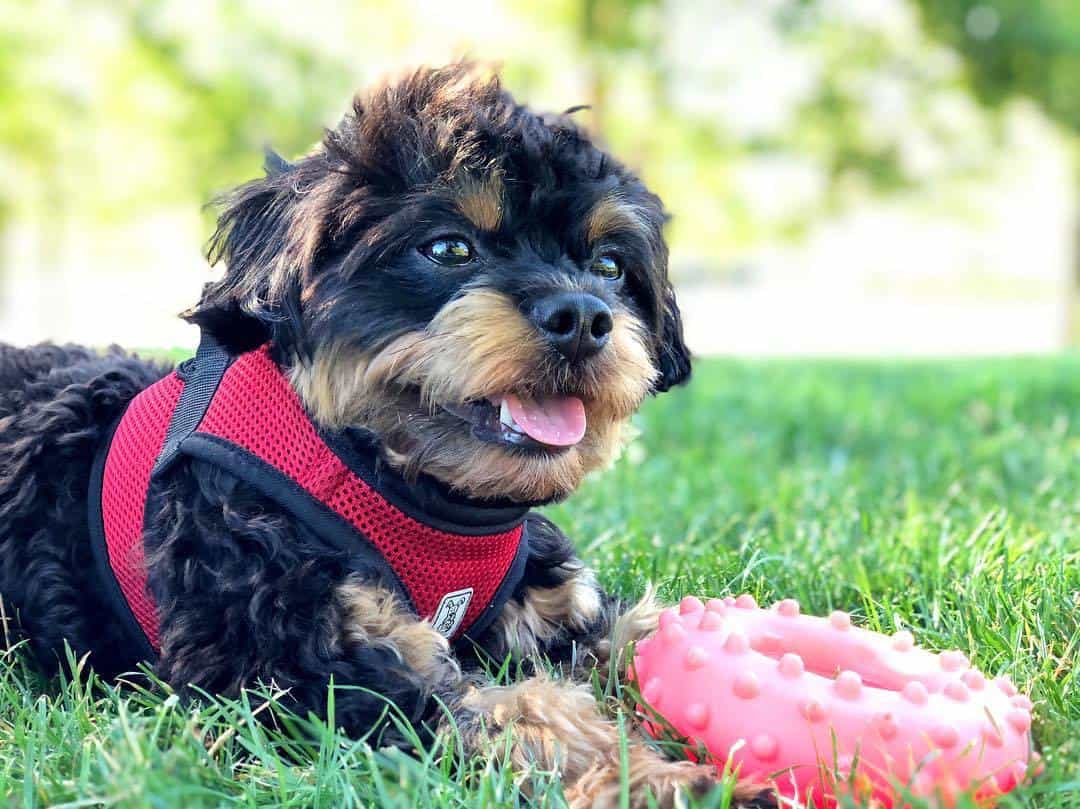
202 374
139 647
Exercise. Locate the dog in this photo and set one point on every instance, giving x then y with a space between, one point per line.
472 296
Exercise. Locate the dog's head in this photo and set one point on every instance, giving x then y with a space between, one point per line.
480 286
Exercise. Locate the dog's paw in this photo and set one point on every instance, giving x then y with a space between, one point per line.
655 781
550 724
652 781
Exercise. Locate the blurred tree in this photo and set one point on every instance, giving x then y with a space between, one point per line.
1016 47
1020 47
97 79
31 104
108 107
30 107
267 85
611 31
834 102
754 120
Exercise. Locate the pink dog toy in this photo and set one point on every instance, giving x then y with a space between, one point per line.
803 701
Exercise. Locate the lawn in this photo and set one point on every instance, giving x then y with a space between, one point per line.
943 497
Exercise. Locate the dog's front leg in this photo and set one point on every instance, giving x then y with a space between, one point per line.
244 600
557 726
561 615
387 667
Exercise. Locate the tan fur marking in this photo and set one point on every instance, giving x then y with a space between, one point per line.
478 345
556 726
481 200
627 364
573 604
375 617
654 782
331 384
551 724
612 214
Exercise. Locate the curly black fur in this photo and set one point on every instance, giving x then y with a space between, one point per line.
56 406
318 251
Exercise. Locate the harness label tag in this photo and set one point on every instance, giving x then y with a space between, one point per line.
451 611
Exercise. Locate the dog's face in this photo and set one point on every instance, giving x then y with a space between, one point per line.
481 287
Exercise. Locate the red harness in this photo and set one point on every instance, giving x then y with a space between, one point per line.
242 415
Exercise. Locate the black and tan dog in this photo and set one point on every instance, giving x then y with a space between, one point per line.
482 291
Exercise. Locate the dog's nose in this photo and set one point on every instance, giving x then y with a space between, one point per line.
577 324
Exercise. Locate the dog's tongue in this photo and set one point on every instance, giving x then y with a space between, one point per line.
558 421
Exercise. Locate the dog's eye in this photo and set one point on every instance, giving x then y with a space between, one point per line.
607 266
450 251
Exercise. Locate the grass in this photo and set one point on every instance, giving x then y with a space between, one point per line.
942 497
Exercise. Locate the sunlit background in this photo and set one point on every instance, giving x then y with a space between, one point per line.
855 177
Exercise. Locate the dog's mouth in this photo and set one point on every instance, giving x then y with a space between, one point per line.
541 423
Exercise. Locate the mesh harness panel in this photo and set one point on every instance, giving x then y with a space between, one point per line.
135 446
242 415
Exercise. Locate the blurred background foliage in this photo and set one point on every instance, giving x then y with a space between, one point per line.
1013 47
799 143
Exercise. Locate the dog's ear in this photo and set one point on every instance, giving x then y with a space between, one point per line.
259 296
673 357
